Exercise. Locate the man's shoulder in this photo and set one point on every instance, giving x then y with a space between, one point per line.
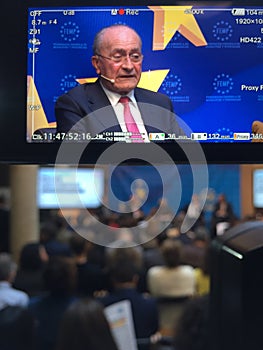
150 94
84 88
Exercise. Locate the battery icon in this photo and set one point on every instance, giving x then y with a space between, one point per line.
156 136
199 136
238 12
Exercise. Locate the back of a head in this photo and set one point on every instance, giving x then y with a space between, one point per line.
123 271
7 266
192 331
171 250
16 329
122 254
30 257
84 327
48 232
60 276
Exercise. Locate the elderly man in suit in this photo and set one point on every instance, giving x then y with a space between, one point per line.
117 59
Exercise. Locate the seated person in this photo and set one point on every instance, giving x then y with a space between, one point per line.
84 326
192 331
10 296
60 278
172 279
90 275
16 329
32 261
124 276
114 102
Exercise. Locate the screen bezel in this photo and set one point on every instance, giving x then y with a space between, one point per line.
13 144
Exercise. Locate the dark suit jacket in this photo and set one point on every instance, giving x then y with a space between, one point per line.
144 310
86 108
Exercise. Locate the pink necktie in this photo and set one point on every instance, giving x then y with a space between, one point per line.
129 121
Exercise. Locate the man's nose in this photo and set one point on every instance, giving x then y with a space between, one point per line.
127 63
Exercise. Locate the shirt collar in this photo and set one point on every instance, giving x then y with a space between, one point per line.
114 97
5 284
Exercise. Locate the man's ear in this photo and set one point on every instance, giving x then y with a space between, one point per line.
95 63
135 279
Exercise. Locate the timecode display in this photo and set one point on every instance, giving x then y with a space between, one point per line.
62 136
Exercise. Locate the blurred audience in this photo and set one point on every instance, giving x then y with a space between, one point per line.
173 279
48 237
193 252
60 277
90 275
193 213
84 327
17 330
192 330
29 277
223 216
202 274
10 296
124 274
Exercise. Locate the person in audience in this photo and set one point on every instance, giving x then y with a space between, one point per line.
192 330
29 277
152 255
223 216
124 275
172 284
172 279
60 278
85 327
48 237
163 212
17 330
122 251
194 211
202 274
90 275
193 253
10 296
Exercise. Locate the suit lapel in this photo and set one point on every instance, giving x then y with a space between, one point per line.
100 105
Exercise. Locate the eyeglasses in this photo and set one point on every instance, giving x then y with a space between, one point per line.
120 58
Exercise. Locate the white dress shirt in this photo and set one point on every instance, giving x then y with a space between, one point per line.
10 296
119 111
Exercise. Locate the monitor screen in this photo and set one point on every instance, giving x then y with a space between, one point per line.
258 188
68 188
204 59
207 59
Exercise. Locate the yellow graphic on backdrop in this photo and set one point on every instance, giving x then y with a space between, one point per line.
170 19
36 117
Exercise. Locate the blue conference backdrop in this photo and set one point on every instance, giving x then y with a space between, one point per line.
209 61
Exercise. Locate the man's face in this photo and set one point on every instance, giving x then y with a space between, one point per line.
119 41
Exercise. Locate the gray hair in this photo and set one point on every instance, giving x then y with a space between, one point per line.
7 266
99 36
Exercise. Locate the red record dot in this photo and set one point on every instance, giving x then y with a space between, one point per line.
121 11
